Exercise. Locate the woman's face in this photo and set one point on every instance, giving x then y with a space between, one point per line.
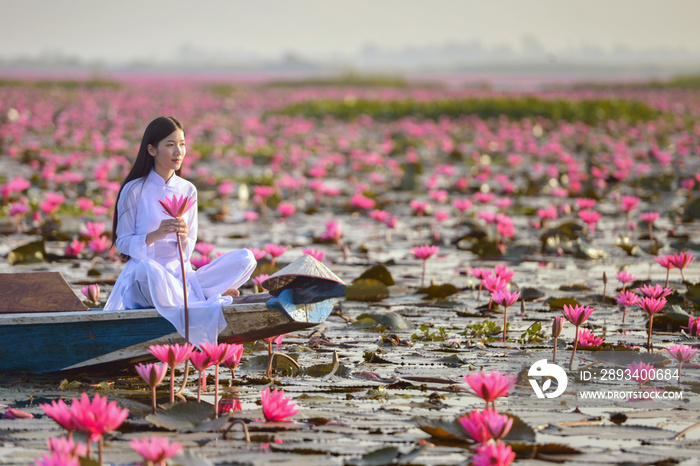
169 154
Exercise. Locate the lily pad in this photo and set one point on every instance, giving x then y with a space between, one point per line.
530 294
378 272
693 293
29 253
438 291
625 243
366 289
559 303
183 416
190 458
389 320
671 319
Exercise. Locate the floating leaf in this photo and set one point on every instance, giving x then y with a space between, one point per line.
378 272
549 449
389 320
438 291
181 416
29 253
442 428
374 358
693 293
671 319
558 303
190 457
530 294
386 455
366 289
586 251
692 210
624 243
450 361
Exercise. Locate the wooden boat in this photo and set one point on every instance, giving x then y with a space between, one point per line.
97 341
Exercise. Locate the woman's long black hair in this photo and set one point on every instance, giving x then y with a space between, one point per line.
156 131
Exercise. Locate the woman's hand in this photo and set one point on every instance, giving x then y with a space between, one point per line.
169 226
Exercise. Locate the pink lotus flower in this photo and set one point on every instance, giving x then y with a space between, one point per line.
628 203
494 283
485 425
651 306
203 248
591 217
60 412
650 217
493 454
490 386
484 198
462 204
656 291
317 254
200 360
94 229
173 356
156 449
667 263
504 272
362 202
74 248
681 260
286 209
333 232
250 216
505 298
424 252
66 447
100 244
577 315
275 251
625 299
217 353
177 207
153 375
97 417
258 253
234 358
92 292
693 327
277 407
557 326
585 203
480 274
419 207
640 371
587 339
624 278
201 261
681 353
14 413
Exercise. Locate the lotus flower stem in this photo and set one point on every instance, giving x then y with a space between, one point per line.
216 390
240 422
573 353
184 291
651 320
272 356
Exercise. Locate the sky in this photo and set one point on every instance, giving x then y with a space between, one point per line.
155 30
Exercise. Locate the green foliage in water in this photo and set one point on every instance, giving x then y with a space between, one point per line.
591 111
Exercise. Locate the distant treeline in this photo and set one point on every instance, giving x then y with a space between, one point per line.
93 83
679 82
590 111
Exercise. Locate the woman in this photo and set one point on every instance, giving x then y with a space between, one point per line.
142 232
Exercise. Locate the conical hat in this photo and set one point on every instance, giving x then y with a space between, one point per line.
305 266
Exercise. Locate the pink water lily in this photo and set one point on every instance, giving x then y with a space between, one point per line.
665 262
577 315
505 298
153 375
424 252
156 449
173 356
493 454
96 417
625 299
218 353
681 353
92 292
277 407
200 360
489 386
652 306
487 424
176 208
681 260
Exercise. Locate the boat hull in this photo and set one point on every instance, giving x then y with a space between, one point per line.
100 341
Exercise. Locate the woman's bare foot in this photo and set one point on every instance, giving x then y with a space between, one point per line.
232 292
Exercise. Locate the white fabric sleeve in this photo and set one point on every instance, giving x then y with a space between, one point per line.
128 241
